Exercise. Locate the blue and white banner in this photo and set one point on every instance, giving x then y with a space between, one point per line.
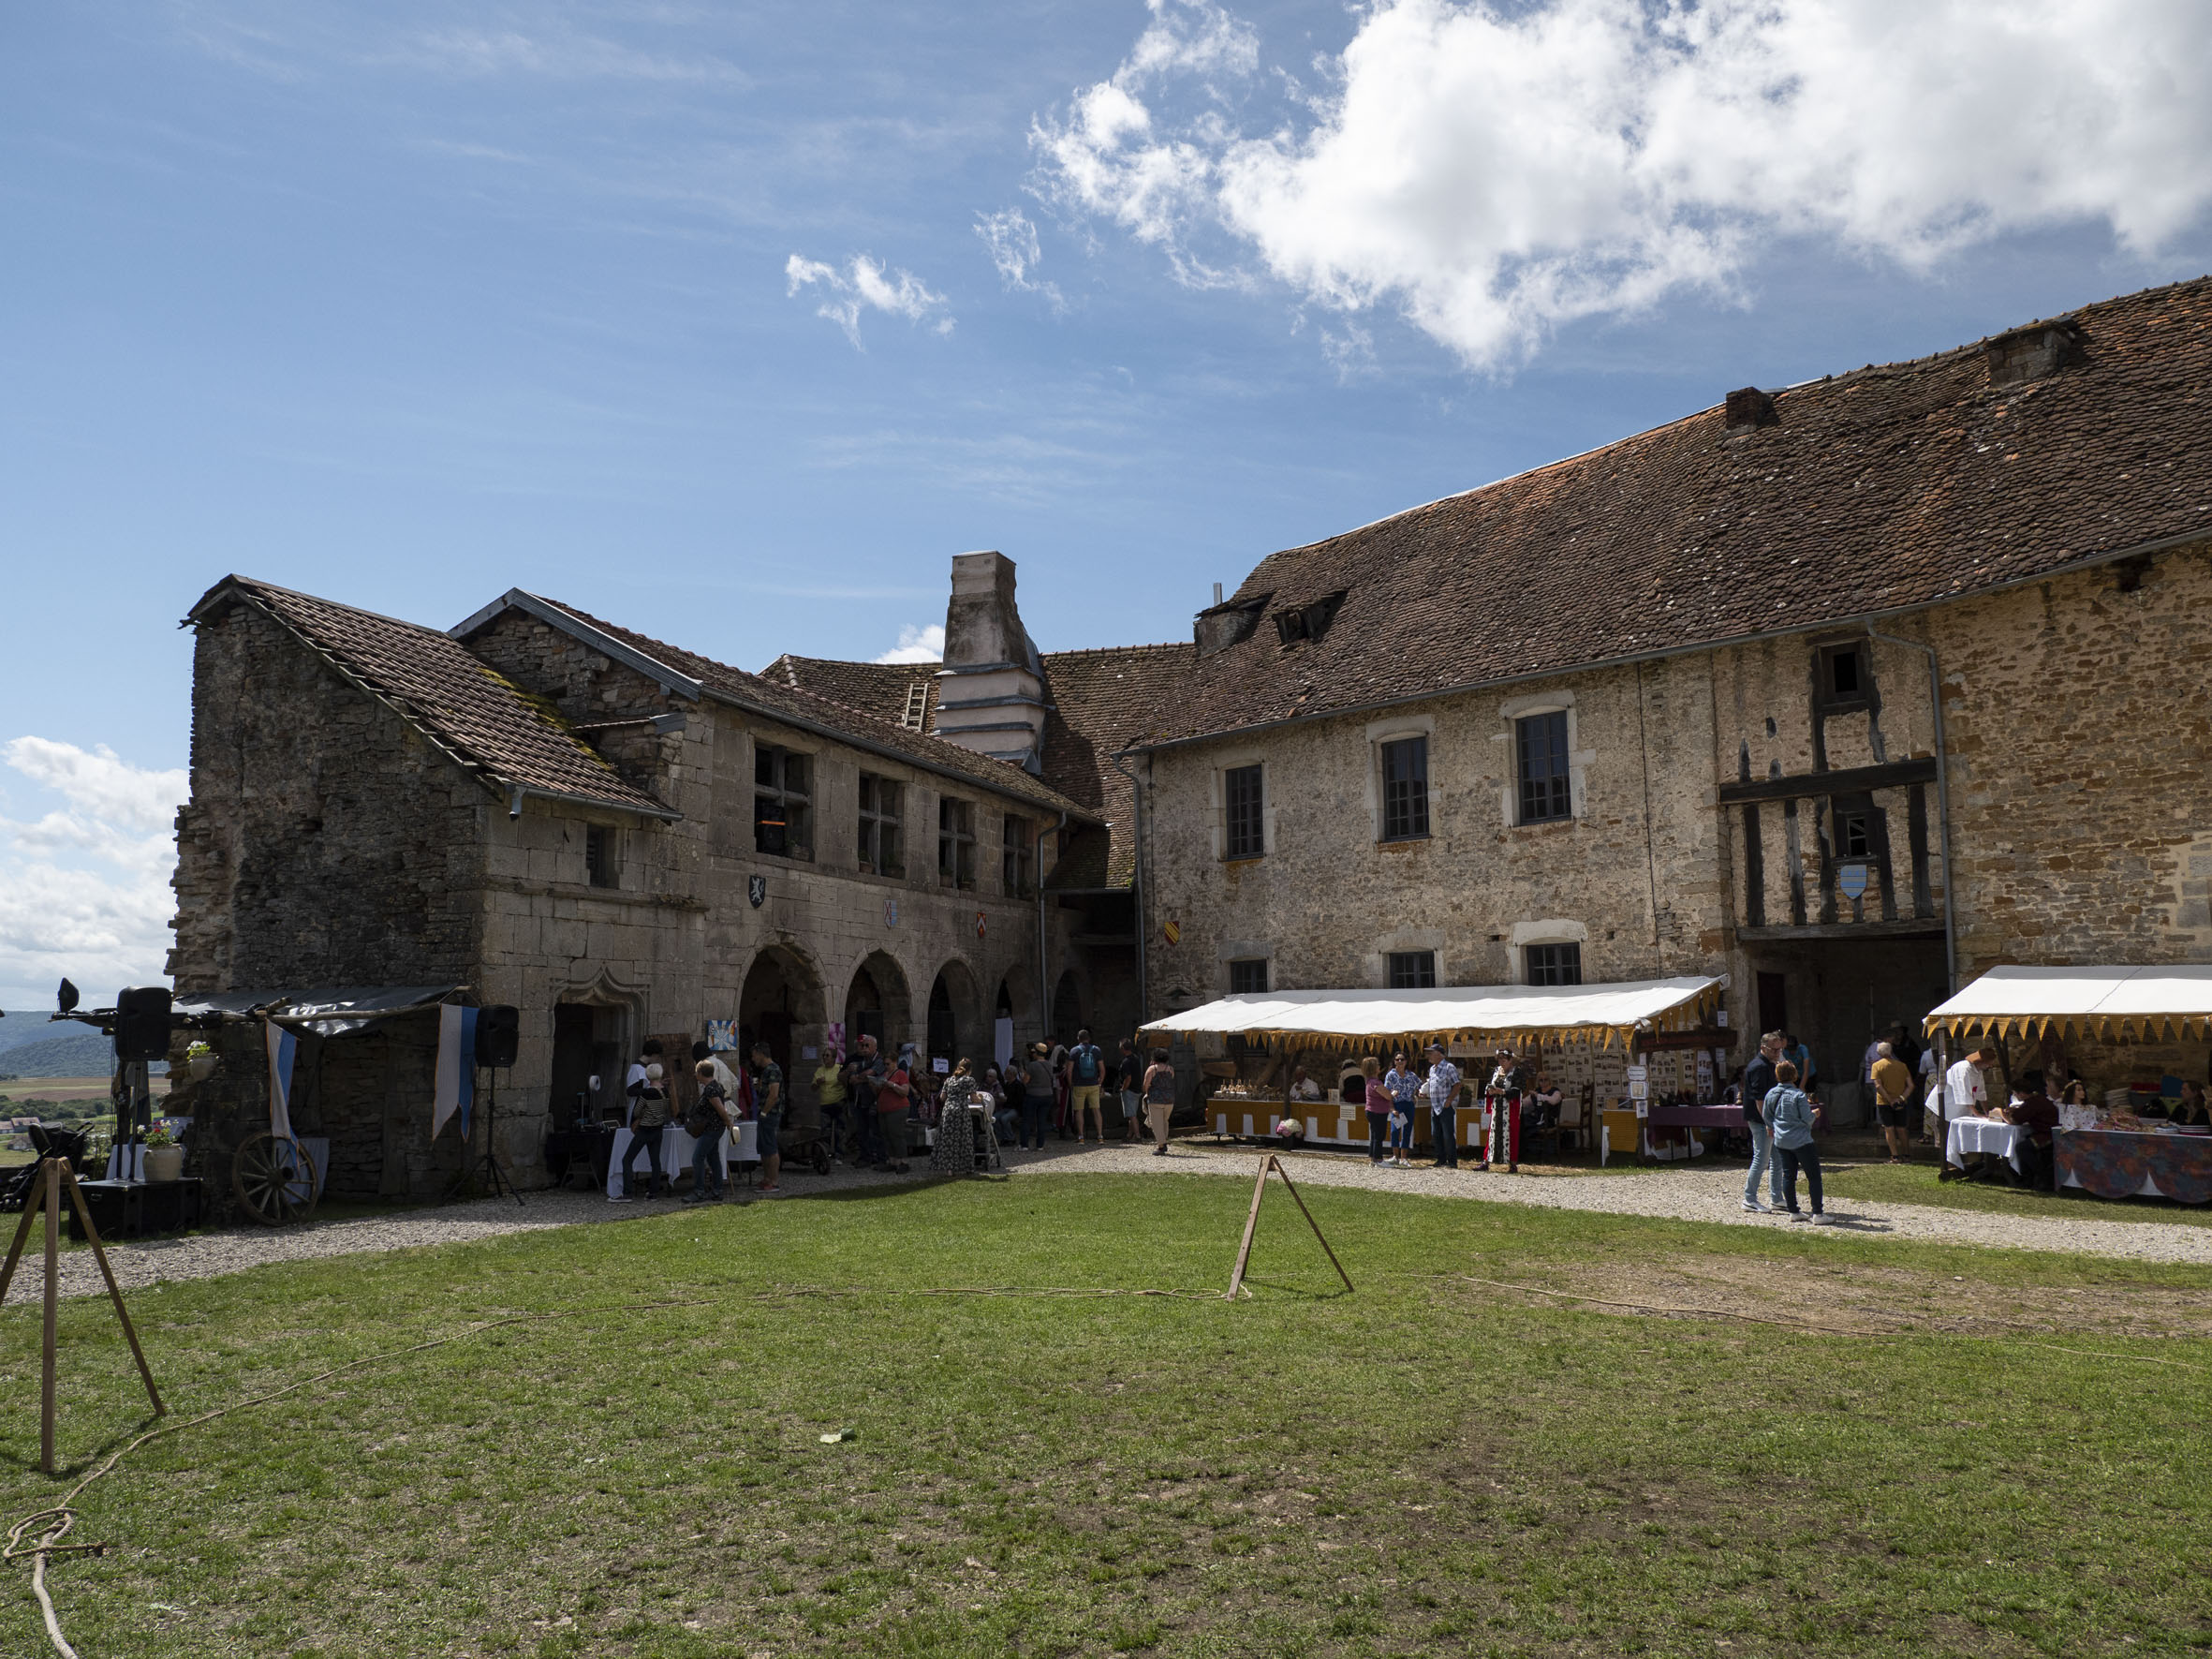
283 1049
456 1067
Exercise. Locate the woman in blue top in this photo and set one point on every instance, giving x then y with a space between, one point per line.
1789 1115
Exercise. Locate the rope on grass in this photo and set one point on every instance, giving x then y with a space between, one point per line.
62 1517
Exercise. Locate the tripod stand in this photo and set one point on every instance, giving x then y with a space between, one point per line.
54 1171
485 1174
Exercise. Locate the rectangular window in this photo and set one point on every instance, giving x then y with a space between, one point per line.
1540 741
1842 674
598 855
1247 978
1405 789
1014 857
957 843
1411 970
1555 964
1245 831
882 839
782 802
1850 834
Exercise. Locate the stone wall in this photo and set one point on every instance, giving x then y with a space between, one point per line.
325 841
1635 878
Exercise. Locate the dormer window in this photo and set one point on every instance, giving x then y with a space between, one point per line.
1308 622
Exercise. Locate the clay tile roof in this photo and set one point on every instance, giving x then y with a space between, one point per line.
461 706
1099 702
1879 490
775 696
883 689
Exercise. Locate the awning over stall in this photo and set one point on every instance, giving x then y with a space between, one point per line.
1520 1015
2128 1002
325 1013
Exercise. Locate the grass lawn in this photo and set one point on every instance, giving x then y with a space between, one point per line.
1427 1466
1917 1183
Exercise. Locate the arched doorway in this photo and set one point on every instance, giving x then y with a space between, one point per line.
956 1027
781 991
1066 1008
877 1003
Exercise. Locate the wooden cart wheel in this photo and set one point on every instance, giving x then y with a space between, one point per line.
274 1179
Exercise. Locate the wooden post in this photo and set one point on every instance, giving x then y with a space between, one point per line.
1244 1253
115 1291
23 1234
51 1197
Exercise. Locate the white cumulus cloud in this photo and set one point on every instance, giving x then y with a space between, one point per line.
1492 172
917 645
84 883
865 286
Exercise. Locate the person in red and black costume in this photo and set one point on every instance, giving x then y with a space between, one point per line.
1508 1084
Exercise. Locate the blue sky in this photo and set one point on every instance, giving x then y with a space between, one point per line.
406 306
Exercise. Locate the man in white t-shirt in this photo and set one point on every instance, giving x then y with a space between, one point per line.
1965 1094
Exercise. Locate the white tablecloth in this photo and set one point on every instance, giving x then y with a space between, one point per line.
675 1152
1983 1135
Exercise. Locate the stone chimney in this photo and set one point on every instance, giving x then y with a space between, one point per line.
991 690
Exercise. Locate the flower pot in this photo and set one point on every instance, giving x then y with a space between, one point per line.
201 1066
164 1163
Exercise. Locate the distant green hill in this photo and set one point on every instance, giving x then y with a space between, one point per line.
84 1054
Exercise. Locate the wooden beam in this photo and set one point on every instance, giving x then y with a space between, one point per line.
1837 932
1850 780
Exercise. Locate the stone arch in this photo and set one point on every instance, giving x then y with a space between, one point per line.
957 1025
878 1002
782 992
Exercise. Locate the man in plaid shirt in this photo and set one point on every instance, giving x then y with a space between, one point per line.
1441 1086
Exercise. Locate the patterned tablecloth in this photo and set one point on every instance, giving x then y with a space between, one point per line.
1983 1134
2116 1163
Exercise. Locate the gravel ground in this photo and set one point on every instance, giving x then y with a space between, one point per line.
1690 1192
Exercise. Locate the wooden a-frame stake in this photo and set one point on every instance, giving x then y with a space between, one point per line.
46 1196
1244 1251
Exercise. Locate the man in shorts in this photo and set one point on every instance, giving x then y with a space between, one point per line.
1129 1079
1086 1075
768 1094
1893 1097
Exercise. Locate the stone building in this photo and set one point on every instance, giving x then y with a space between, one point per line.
1668 707
620 837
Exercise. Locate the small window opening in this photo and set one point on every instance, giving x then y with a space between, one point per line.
598 855
957 843
1555 964
1247 978
782 819
1405 789
1411 970
1850 834
1244 830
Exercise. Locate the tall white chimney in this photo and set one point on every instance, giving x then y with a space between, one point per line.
990 690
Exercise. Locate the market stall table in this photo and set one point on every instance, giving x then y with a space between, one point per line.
2124 1163
1970 1135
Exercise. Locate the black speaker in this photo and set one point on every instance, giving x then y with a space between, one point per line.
141 1023
498 1034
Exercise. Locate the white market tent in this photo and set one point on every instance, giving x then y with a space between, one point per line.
1520 1015
2146 1003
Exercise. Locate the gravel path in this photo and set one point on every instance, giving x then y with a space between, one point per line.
1690 1192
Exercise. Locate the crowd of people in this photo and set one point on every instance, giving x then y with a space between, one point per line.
1430 1083
873 1106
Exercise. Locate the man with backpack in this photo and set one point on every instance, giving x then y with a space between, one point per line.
1087 1074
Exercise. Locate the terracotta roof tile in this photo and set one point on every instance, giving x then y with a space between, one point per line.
1877 489
775 695
450 697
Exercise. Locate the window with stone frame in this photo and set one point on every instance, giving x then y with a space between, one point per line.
783 797
601 865
1405 789
1244 821
883 838
1554 964
1411 971
1016 859
1539 747
957 843
1248 976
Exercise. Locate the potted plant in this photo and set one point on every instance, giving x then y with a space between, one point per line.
164 1158
199 1059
